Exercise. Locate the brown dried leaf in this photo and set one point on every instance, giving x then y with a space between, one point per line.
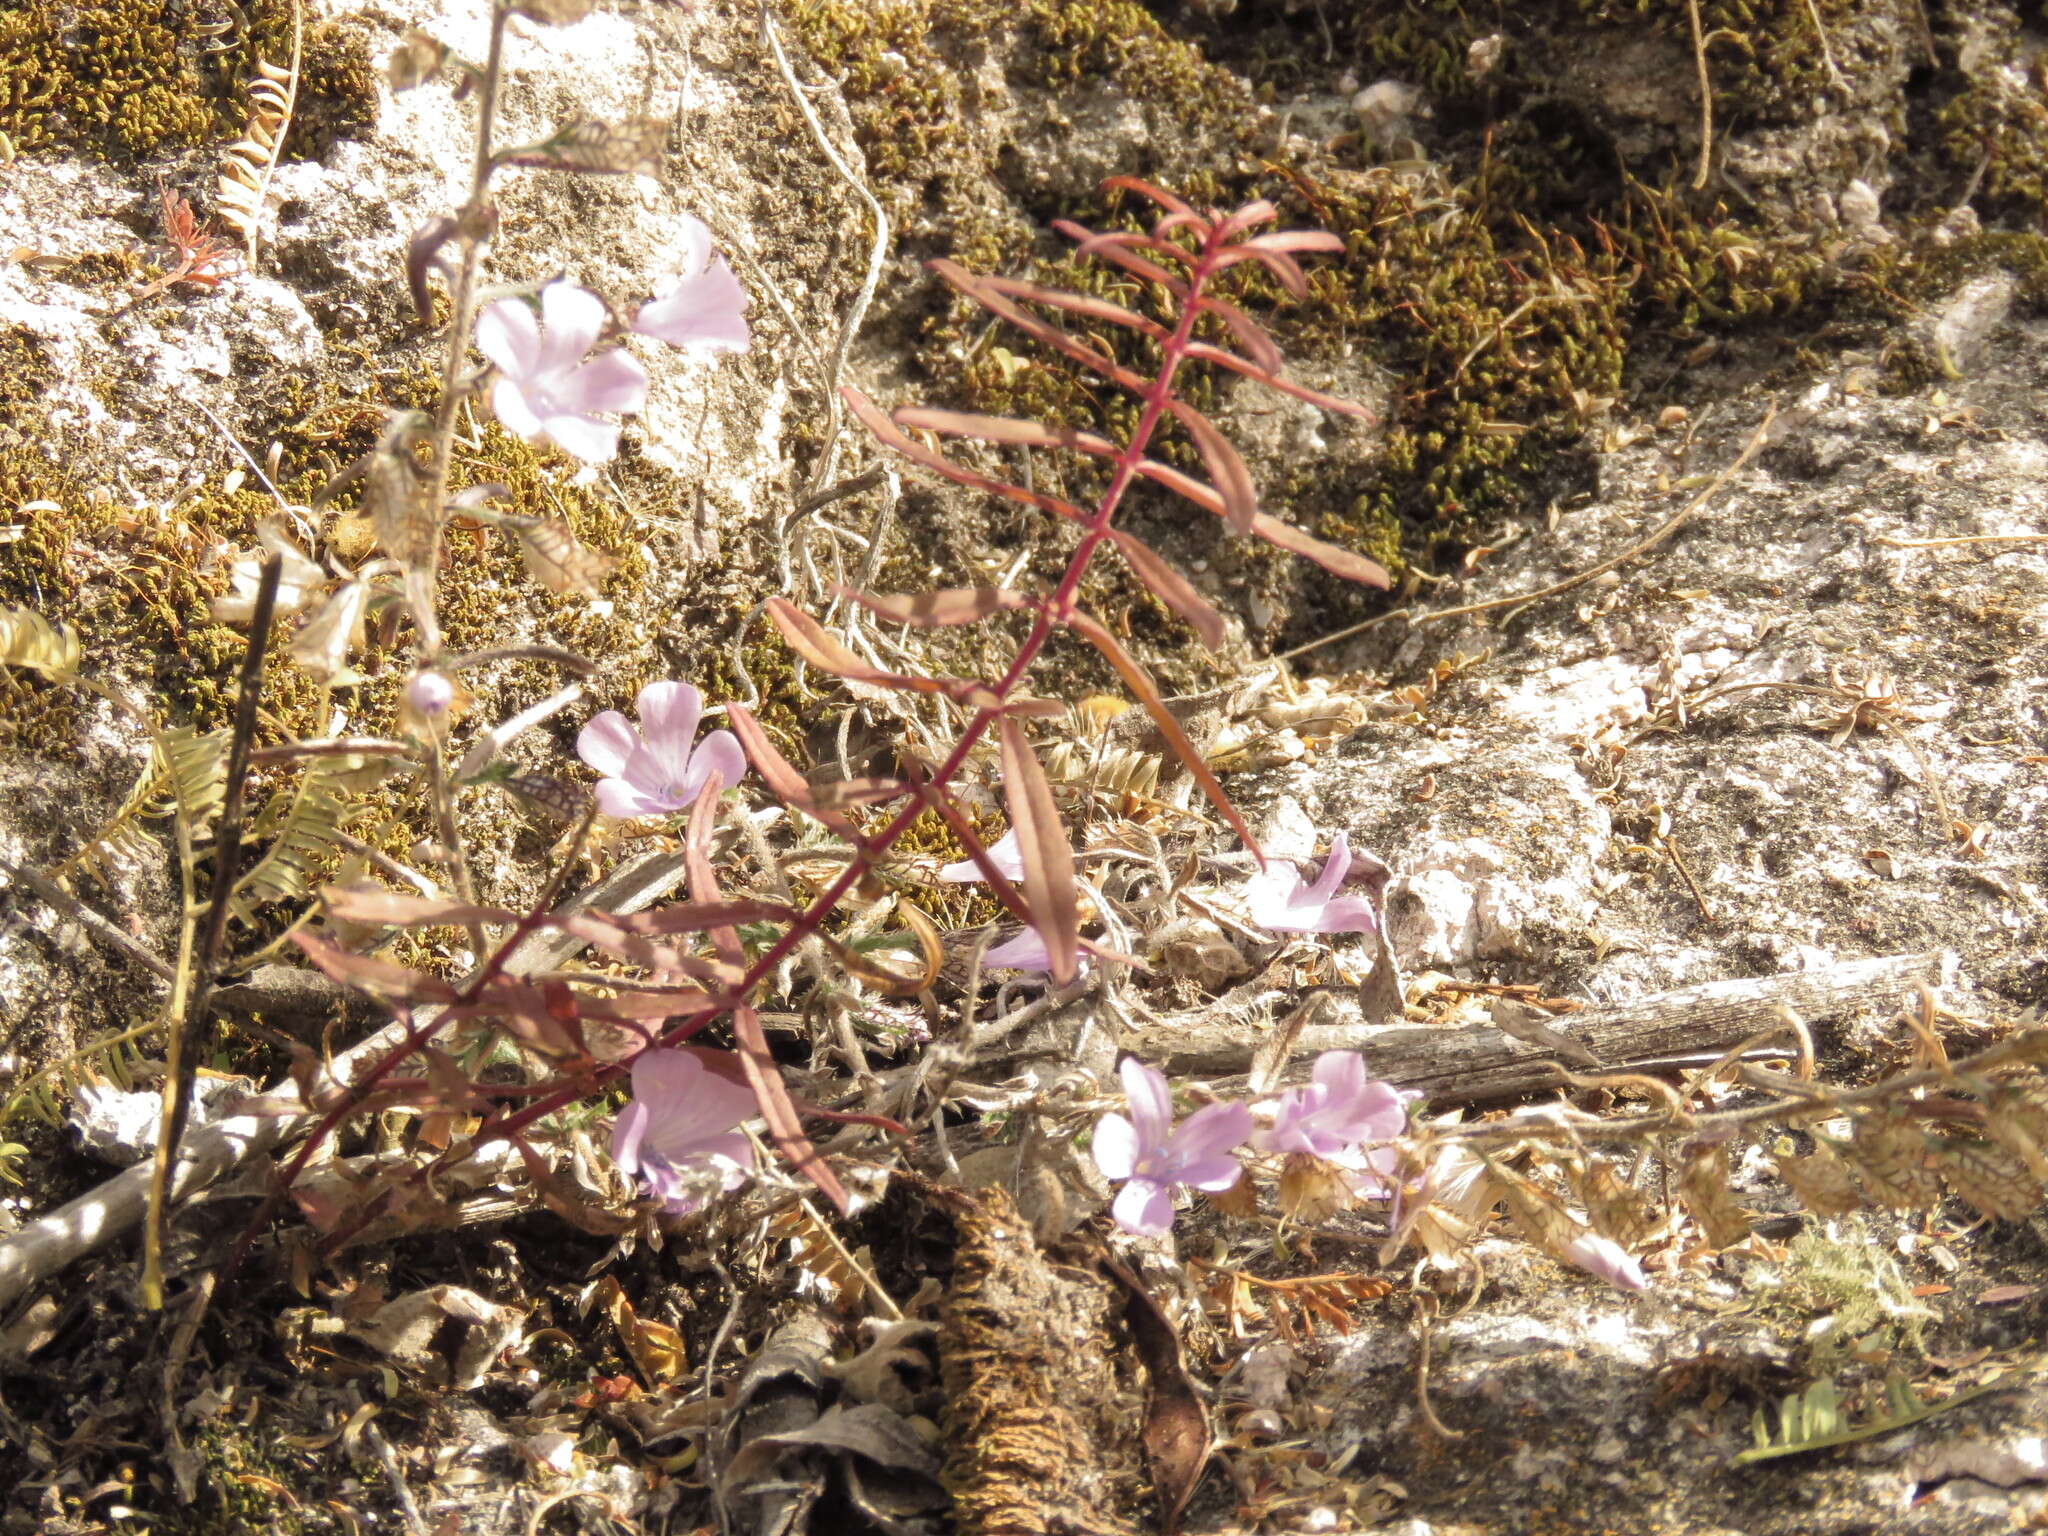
633 145
1615 1207
1821 1180
556 558
1990 1177
933 610
1897 1161
1703 1189
2017 1119
1311 1190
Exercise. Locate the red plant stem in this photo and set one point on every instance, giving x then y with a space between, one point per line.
868 849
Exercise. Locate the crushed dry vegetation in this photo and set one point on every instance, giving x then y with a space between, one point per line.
1680 813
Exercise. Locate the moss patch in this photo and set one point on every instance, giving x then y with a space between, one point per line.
127 78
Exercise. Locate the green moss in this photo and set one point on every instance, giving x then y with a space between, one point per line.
129 78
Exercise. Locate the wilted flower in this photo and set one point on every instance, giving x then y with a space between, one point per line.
1606 1258
678 1132
1278 899
1004 853
656 769
1153 1158
547 388
1026 952
704 309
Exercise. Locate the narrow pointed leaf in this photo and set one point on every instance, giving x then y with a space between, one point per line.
1063 342
1002 429
963 831
1247 332
1139 681
1202 351
1085 305
1145 189
1254 213
1284 269
936 610
1048 860
1232 480
890 435
817 645
756 1063
783 781
1117 251
1338 562
1170 587
1291 240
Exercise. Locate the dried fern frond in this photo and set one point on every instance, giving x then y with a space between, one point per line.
195 772
304 825
248 164
116 1058
29 640
121 838
1814 1420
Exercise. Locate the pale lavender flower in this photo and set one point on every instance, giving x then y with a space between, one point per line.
1153 1158
1004 853
1341 1106
656 768
1606 1258
1277 898
548 388
1026 952
704 309
678 1136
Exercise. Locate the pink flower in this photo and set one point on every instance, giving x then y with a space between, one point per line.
656 769
1154 1159
704 309
1341 1106
1277 898
547 389
1007 857
677 1134
1026 952
1606 1258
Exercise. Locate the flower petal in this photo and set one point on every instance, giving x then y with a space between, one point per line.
1144 1207
583 437
606 742
1115 1147
705 312
572 318
514 412
1205 1138
669 713
720 750
615 797
1004 853
1150 1103
1334 869
1026 952
627 1133
695 239
509 336
610 381
1606 1258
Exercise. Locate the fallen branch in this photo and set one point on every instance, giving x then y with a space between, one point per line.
44 1246
1482 1063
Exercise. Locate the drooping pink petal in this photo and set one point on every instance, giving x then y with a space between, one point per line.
1144 1208
571 318
627 1132
509 336
1004 853
1115 1147
606 742
703 310
1334 869
1026 952
1606 1258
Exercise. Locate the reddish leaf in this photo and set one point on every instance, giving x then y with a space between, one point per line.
371 904
1232 480
1285 271
1048 860
1063 342
783 781
1246 330
383 978
1082 304
1145 189
935 610
695 917
890 435
821 648
1170 587
935 798
845 793
1254 213
1338 562
1002 429
1297 240
1139 681
1119 251
1201 351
